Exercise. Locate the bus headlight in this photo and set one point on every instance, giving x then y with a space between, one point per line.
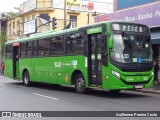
116 74
152 73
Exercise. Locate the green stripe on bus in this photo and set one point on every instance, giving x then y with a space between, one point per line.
94 30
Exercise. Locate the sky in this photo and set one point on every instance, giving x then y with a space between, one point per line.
8 5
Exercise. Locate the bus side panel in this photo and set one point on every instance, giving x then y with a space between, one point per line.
25 64
40 69
33 73
61 69
8 71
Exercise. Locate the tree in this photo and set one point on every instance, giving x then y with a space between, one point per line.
3 39
10 15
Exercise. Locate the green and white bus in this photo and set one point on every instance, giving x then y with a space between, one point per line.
108 56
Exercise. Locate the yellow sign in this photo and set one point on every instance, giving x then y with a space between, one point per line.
66 78
73 3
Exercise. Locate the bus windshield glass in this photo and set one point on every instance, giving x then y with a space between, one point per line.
131 47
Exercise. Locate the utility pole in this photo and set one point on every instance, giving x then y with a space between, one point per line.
65 14
88 18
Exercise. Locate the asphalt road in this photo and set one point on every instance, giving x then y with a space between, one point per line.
41 97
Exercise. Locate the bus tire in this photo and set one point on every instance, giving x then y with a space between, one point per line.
26 79
80 83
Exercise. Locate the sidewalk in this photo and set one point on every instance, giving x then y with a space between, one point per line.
155 89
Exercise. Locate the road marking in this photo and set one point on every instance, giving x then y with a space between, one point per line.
2 85
45 96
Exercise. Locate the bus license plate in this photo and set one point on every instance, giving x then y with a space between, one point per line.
138 86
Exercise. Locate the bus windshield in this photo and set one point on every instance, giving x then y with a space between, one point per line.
130 47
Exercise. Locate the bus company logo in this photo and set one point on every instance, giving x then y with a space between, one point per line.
57 64
66 64
6 114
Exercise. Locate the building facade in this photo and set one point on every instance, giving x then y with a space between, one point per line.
36 16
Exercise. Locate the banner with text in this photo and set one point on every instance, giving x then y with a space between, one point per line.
89 6
29 27
148 14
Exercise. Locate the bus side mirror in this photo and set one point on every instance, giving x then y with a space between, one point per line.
110 43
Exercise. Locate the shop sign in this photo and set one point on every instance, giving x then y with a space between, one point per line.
30 27
148 14
85 5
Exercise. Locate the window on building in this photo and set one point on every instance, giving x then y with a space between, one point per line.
33 17
18 27
73 20
28 18
75 43
44 3
57 45
10 29
43 19
14 29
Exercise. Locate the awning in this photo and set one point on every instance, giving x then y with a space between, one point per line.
155 36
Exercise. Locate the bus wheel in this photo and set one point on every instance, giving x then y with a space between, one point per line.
80 83
26 78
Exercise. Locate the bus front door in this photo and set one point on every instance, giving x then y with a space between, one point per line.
94 59
15 58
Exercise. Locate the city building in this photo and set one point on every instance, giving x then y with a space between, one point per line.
36 16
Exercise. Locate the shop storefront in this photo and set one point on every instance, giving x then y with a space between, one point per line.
148 14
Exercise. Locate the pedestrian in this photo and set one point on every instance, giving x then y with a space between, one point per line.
156 69
2 67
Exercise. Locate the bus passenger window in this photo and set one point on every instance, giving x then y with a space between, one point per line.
35 48
57 45
75 43
23 50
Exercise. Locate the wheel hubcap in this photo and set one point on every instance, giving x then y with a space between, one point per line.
80 83
25 80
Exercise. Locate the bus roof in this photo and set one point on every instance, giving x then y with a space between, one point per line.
58 32
51 33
